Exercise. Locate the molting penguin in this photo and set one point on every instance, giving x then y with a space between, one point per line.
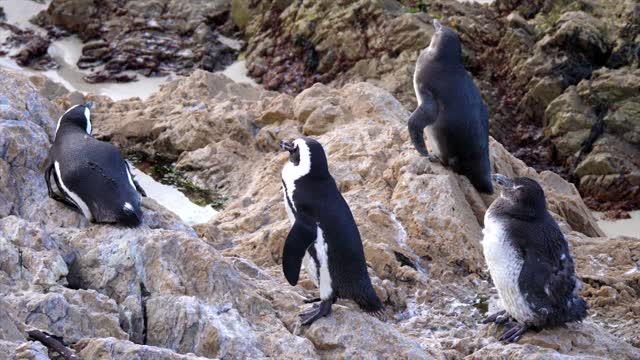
90 175
450 104
324 234
529 260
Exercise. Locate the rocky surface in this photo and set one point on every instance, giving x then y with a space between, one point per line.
153 38
524 56
26 46
166 291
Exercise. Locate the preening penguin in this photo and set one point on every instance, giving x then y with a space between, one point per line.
529 260
324 233
90 175
452 109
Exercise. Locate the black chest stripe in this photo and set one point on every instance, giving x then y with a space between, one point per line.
286 196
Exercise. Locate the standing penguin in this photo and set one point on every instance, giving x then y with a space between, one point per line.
324 233
91 175
450 104
529 260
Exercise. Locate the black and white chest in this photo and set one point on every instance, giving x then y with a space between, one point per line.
505 264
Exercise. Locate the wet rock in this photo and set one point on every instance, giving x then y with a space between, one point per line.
153 38
27 47
31 54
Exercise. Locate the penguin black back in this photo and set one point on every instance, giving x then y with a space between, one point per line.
521 233
91 176
451 108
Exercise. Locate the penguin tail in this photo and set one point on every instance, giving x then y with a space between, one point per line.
129 217
371 304
484 186
577 310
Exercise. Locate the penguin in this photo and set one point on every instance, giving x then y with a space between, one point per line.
90 175
529 261
324 234
452 109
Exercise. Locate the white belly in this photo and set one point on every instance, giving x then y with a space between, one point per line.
292 218
505 265
310 266
431 140
322 252
415 86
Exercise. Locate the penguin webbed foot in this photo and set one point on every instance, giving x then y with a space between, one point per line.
499 318
514 333
318 310
312 300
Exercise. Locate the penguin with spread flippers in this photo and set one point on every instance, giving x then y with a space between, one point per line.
91 176
451 108
529 261
324 234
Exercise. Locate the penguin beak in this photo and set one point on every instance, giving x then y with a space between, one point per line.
89 105
503 181
287 145
437 25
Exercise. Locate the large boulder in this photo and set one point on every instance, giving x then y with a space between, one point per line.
596 127
420 223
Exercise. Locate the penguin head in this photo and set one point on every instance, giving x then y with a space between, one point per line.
521 192
306 156
77 116
445 44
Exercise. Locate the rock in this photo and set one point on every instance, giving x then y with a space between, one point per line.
153 38
32 350
34 54
113 349
27 47
165 291
524 57
574 342
594 126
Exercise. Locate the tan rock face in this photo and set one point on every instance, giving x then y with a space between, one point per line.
165 291
526 58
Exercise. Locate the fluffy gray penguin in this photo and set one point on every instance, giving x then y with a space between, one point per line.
451 108
529 261
324 234
90 175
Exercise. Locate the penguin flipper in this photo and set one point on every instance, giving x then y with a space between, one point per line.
550 285
55 196
135 182
426 114
302 235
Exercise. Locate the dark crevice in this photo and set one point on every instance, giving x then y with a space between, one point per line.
74 276
404 260
144 296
